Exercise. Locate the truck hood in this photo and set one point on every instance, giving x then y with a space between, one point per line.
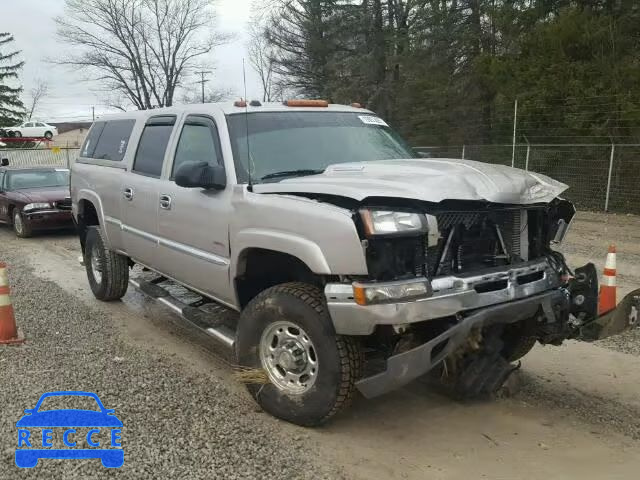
431 180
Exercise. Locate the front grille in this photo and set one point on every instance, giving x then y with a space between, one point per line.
63 204
471 241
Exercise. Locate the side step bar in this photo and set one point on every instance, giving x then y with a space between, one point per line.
208 322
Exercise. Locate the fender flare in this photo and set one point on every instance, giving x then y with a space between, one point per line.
302 248
93 198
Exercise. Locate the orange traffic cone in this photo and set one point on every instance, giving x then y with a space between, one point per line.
8 330
607 300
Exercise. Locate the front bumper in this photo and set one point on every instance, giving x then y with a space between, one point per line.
451 295
407 366
50 219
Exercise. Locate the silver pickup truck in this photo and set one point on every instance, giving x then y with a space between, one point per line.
344 260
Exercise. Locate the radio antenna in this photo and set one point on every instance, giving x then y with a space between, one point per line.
246 119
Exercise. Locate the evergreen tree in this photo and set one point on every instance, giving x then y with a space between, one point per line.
11 107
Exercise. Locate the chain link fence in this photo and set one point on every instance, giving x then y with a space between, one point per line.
40 157
600 177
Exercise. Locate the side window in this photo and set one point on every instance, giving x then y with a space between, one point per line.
152 145
198 143
39 124
1 181
113 141
28 124
92 140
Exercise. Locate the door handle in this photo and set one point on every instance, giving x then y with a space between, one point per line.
128 193
165 202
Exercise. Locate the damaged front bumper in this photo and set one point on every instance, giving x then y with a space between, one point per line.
451 296
409 365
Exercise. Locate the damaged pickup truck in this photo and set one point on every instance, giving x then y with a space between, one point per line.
345 261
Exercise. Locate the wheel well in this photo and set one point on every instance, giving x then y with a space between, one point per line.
87 217
259 269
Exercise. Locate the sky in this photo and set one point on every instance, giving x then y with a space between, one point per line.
70 96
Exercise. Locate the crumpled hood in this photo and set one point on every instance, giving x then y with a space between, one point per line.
432 180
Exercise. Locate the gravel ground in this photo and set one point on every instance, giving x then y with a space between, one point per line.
176 424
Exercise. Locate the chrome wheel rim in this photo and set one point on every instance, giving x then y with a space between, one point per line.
96 266
17 222
289 357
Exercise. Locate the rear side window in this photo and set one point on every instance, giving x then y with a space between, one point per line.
152 145
112 144
92 140
198 143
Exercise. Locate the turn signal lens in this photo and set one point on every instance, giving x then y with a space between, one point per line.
373 293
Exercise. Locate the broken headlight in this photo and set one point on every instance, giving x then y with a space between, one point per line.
386 222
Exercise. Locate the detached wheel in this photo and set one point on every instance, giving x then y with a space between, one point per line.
20 227
107 271
310 371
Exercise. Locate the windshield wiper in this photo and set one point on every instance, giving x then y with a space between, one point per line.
293 173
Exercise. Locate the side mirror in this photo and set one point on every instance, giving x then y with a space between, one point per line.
4 162
201 175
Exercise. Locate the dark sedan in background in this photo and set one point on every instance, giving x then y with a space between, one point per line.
35 198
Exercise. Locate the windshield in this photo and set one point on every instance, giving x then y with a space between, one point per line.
309 141
37 179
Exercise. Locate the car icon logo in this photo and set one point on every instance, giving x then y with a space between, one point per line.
69 433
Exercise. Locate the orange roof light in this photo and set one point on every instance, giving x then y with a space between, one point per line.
306 103
356 105
240 103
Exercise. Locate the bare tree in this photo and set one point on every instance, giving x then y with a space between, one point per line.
38 93
141 49
210 96
261 58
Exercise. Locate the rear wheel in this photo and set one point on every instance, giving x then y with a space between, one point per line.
17 134
107 271
20 227
309 371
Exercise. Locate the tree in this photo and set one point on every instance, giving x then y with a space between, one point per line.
37 93
261 58
140 48
210 96
11 107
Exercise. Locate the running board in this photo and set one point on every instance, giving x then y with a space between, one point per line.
207 321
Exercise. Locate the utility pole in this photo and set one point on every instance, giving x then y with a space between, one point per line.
93 113
203 80
515 124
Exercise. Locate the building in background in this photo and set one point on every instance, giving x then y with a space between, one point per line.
70 134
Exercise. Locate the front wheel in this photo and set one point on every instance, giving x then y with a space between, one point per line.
48 135
107 271
287 333
20 227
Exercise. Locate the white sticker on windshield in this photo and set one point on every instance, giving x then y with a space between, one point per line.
371 120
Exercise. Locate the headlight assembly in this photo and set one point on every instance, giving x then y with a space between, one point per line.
386 222
36 206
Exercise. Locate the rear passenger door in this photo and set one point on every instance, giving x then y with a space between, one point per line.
193 223
139 191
